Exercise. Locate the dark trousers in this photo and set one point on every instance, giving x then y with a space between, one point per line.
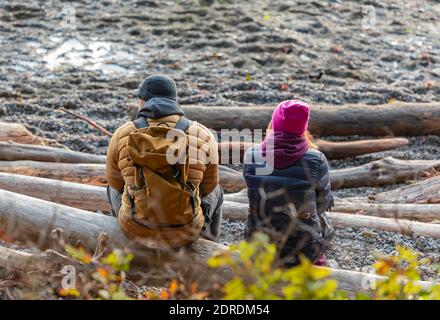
211 207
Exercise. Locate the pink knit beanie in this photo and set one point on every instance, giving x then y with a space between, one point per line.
291 116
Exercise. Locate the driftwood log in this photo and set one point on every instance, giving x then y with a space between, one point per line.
425 191
77 195
236 204
227 150
94 174
12 259
94 198
17 133
410 228
408 211
33 219
89 173
239 211
397 119
386 171
232 150
18 151
380 172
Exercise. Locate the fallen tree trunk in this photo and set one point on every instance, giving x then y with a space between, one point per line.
18 133
17 151
386 171
346 149
239 211
398 119
33 219
27 262
13 150
77 195
419 212
231 180
406 227
89 173
94 174
22 261
376 173
233 151
426 191
30 220
236 208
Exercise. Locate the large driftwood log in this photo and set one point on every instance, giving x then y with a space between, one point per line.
18 133
17 151
26 219
236 204
398 119
376 173
425 191
22 261
28 262
234 150
239 211
33 219
419 212
381 172
346 149
14 150
401 226
94 198
77 195
89 173
94 174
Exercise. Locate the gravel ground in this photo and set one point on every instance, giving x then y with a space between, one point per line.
233 53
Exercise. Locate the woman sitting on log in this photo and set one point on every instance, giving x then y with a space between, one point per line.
289 187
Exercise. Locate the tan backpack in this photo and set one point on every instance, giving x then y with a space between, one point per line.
161 204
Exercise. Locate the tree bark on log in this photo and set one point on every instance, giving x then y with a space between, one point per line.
425 191
386 171
18 133
17 151
397 119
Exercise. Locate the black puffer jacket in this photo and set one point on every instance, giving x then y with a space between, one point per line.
290 204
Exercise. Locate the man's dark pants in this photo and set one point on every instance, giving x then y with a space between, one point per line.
211 206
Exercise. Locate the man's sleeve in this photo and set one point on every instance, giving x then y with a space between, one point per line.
210 179
112 172
211 175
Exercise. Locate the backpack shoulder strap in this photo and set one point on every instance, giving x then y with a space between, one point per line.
141 123
183 124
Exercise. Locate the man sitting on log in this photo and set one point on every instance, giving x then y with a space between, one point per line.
162 171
